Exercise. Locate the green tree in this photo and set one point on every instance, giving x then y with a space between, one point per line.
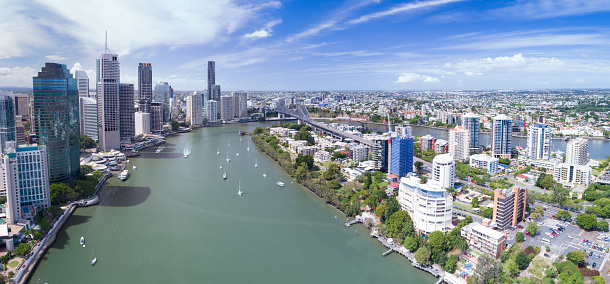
438 245
489 270
395 223
475 202
418 165
331 172
175 125
522 260
520 237
410 243
577 257
587 222
301 172
86 142
602 225
304 135
532 228
563 214
551 272
422 255
98 175
487 212
307 159
258 130
451 264
513 268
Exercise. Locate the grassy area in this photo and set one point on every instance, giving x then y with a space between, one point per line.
538 265
327 164
462 205
595 172
13 263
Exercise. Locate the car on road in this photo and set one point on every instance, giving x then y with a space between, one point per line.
528 234
570 237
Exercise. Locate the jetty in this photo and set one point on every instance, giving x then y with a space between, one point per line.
349 223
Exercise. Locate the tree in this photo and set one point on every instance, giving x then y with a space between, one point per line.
410 243
513 269
422 255
380 211
451 263
175 125
487 212
587 222
395 223
489 270
577 257
532 228
602 226
563 214
522 260
551 272
418 165
98 175
304 135
307 159
301 172
258 130
86 142
438 245
520 237
331 172
475 202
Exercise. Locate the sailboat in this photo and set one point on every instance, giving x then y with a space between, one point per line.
218 151
264 173
187 151
237 153
255 163
228 160
248 147
240 192
94 258
228 143
82 241
224 175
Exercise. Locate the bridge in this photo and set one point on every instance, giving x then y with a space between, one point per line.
303 115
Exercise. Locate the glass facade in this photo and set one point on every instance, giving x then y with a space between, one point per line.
7 121
55 112
401 155
471 122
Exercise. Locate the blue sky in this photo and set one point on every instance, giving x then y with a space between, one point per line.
318 45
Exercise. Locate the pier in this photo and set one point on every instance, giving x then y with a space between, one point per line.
349 223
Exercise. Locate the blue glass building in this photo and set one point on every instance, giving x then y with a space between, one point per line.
7 121
55 113
471 122
401 155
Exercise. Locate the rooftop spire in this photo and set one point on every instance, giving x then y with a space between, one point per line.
106 44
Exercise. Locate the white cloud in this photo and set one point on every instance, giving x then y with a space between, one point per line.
312 31
470 74
55 57
539 9
516 40
19 36
579 81
416 78
258 34
400 9
17 76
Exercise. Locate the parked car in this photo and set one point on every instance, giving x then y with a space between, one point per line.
528 234
570 237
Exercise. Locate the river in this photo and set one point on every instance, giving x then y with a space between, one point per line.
175 220
598 149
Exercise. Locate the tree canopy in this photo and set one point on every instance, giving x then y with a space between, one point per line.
587 222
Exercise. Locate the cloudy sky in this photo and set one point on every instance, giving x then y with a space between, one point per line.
317 45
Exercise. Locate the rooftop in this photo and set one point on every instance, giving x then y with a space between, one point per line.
484 230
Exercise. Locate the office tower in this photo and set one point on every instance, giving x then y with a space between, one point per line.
211 110
55 115
163 92
7 120
216 97
142 123
429 205
194 109
401 155
206 98
484 239
379 153
577 151
509 206
539 141
459 143
127 112
470 121
19 131
89 118
156 117
226 105
212 81
22 105
240 104
82 83
501 136
26 182
403 130
109 132
145 87
443 170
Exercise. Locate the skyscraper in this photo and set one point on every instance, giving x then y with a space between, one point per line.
145 89
401 155
108 101
163 92
216 97
7 120
443 170
471 122
89 118
501 136
156 116
22 105
379 153
539 141
211 110
240 104
577 151
82 84
459 146
212 80
194 109
226 105
55 113
127 112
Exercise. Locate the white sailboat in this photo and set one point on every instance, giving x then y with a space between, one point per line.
248 147
240 192
94 258
237 153
228 143
82 241
218 151
255 163
264 173
224 175
228 160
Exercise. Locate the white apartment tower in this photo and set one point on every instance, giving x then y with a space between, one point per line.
211 111
240 104
459 143
501 134
226 108
429 205
108 101
443 170
82 83
539 141
89 117
194 109
577 151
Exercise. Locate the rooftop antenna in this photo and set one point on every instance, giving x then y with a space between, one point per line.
106 44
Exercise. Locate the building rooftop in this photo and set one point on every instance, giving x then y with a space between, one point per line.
443 158
485 230
483 157
502 117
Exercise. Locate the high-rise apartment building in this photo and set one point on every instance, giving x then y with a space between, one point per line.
156 117
401 155
426 142
577 151
429 205
226 105
89 118
571 175
82 83
127 112
240 104
194 110
163 92
379 153
145 87
471 122
501 136
539 141
216 97
484 239
459 143
55 114
7 120
212 80
142 123
509 206
26 182
109 133
403 130
358 153
211 110
443 170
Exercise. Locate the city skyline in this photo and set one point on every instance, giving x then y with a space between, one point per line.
320 45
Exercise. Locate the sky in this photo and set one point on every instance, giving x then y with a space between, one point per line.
311 45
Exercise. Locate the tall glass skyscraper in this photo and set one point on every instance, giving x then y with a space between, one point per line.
501 132
7 120
471 122
55 113
401 155
145 86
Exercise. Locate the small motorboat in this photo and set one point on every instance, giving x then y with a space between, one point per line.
82 241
